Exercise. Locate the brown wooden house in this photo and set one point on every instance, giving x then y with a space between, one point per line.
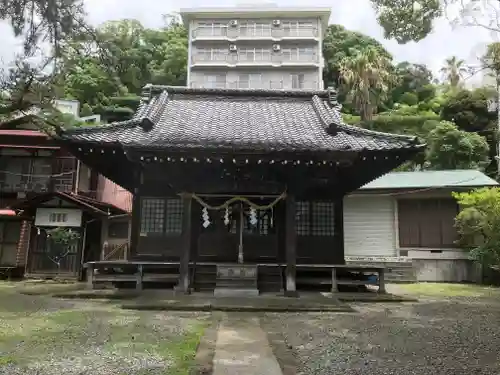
40 181
245 177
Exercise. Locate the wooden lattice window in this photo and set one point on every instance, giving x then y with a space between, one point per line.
173 217
315 218
161 215
152 215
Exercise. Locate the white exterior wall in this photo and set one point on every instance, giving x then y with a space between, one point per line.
73 217
369 228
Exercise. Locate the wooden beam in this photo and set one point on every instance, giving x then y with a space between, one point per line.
183 285
290 245
339 231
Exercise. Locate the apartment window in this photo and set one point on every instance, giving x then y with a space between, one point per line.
211 54
211 29
297 28
58 217
315 218
215 81
254 54
161 216
250 81
297 80
255 29
427 223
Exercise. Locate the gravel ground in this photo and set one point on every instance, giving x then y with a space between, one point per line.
46 336
437 335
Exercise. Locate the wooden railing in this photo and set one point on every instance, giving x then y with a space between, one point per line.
115 251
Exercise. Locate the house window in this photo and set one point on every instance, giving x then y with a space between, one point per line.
161 216
315 218
427 223
58 217
118 229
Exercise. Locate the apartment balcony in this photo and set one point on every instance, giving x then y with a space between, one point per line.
36 175
235 59
263 85
254 33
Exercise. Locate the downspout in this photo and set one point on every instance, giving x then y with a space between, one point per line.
77 177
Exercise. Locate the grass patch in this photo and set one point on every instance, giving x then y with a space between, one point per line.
182 352
449 290
56 336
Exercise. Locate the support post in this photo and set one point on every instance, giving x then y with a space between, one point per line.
183 285
90 276
381 281
291 246
334 280
338 223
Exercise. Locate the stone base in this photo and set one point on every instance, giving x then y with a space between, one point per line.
235 292
291 293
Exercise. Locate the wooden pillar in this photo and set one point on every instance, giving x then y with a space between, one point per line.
135 225
339 230
290 246
136 214
183 285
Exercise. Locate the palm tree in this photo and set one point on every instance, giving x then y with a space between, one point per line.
453 70
366 77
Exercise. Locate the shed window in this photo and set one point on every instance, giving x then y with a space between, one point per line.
315 218
161 215
427 223
118 229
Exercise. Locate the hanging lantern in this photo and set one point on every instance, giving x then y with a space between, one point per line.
205 217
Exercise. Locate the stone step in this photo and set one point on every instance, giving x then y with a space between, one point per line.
235 292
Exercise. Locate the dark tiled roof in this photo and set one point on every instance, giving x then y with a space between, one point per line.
182 118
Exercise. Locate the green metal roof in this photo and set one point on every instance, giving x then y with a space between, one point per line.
431 179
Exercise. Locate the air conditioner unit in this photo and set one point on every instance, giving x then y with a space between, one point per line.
276 23
233 23
276 47
233 48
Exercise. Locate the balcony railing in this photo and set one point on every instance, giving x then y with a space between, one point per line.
245 84
258 31
254 58
23 174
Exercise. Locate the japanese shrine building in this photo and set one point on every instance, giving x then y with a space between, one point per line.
232 176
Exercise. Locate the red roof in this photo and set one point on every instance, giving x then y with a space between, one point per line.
26 133
7 212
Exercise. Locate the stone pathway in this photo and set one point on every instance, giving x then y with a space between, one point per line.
242 347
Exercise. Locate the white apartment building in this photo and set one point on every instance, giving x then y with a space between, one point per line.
256 47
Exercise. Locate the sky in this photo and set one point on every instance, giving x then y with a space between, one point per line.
463 42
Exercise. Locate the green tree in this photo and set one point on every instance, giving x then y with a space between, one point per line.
478 224
408 98
366 77
413 20
340 44
451 148
134 57
468 109
453 71
410 78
